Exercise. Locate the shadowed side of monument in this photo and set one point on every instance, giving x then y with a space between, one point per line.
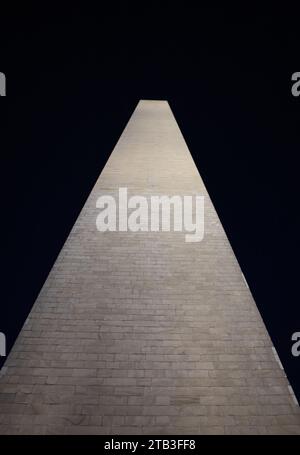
142 332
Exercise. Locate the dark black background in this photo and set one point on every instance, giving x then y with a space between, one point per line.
74 77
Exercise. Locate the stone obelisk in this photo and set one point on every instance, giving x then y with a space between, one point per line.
142 332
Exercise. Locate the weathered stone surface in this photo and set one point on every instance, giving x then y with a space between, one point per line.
142 332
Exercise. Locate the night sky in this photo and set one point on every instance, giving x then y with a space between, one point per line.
74 77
